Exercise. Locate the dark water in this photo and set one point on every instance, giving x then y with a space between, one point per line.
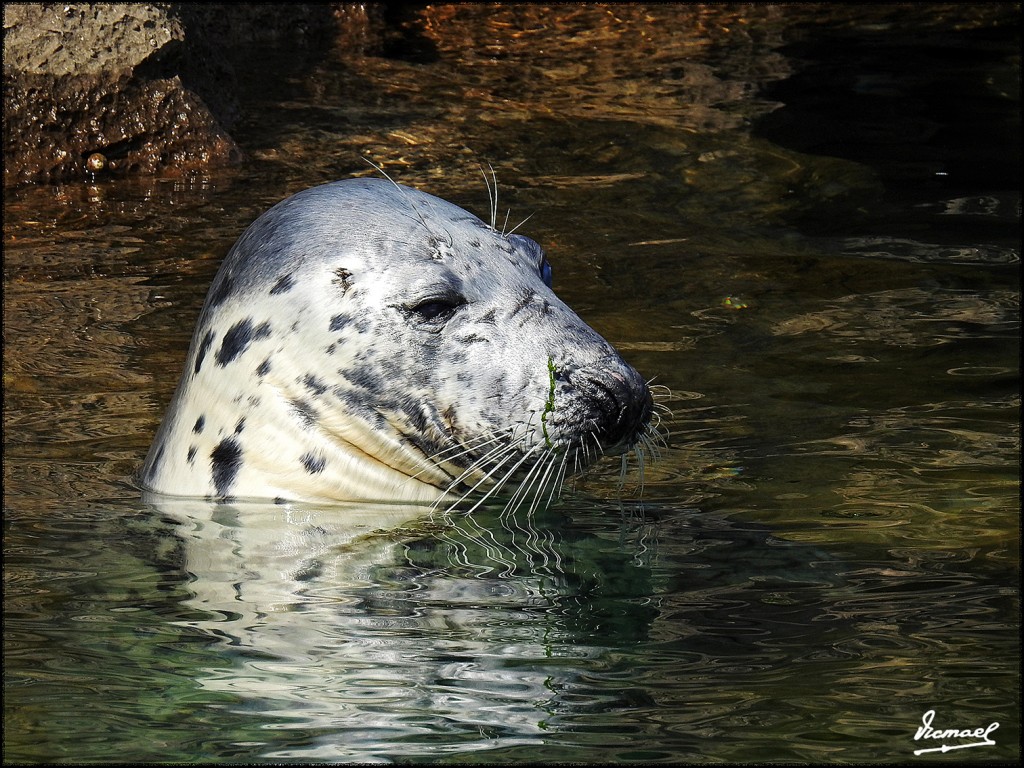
804 220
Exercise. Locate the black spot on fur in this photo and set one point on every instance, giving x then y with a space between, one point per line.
330 349
314 385
313 464
339 321
240 426
191 454
155 466
305 412
415 413
221 290
342 279
283 285
355 403
489 317
225 461
523 303
366 378
238 338
200 423
263 368
204 347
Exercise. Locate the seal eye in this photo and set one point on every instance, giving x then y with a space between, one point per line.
436 311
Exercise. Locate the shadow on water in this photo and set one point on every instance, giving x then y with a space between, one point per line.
884 102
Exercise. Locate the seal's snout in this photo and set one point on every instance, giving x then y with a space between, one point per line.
626 407
611 403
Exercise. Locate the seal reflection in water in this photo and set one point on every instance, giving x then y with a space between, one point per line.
367 341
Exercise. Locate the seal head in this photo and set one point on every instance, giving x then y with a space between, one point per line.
368 341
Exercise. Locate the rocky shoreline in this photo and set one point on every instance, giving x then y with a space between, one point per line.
133 88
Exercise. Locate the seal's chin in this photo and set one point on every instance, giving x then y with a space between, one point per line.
591 413
528 473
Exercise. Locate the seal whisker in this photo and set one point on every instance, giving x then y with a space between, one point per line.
655 420
659 391
509 452
457 451
524 457
640 467
544 476
523 490
505 478
559 478
437 461
501 444
517 226
492 193
532 490
550 476
502 451
662 412
660 394
598 450
400 188
654 439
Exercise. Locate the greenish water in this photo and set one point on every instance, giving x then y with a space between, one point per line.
804 223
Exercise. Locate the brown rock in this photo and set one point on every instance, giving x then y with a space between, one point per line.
84 80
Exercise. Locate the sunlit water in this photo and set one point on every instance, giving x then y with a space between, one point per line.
827 548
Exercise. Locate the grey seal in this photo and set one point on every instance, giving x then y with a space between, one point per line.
364 340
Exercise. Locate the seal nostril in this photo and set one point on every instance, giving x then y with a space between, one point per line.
627 420
620 402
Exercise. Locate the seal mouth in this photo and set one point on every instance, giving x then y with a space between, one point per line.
603 409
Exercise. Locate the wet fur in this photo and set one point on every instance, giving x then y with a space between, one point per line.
368 341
